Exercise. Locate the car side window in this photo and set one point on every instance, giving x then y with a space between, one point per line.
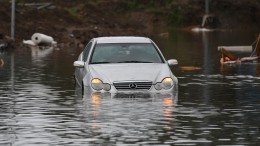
86 51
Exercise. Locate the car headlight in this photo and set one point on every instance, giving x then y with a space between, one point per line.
98 84
166 83
106 87
158 86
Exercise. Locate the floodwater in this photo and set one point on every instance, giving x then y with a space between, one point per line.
215 105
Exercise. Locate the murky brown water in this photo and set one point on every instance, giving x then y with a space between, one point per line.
215 105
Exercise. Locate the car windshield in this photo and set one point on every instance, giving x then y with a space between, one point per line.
125 53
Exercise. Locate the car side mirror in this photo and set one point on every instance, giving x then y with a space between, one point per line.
78 64
172 62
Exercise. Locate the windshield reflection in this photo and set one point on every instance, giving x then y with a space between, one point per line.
125 53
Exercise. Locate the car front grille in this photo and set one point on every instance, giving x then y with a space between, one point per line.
132 85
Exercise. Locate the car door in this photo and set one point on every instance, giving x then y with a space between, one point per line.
80 72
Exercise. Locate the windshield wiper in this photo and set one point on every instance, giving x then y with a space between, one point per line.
100 62
134 62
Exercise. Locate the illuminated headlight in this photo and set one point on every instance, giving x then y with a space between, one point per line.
166 83
98 84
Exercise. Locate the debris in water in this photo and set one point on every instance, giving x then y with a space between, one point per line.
39 39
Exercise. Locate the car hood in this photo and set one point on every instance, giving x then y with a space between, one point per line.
110 73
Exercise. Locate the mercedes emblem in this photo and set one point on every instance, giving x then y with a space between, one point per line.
132 86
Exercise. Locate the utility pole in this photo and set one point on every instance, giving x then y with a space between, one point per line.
208 19
207 6
13 19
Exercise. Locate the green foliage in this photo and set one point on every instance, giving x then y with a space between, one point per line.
169 1
176 16
72 11
133 5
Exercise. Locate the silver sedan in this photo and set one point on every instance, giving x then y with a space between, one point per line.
124 67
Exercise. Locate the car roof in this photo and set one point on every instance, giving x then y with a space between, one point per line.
122 39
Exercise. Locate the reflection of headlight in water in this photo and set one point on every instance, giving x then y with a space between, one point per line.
95 98
98 95
168 101
164 95
168 108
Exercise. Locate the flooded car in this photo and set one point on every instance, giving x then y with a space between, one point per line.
124 67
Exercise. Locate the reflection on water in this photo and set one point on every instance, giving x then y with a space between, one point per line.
39 53
129 120
215 105
245 68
